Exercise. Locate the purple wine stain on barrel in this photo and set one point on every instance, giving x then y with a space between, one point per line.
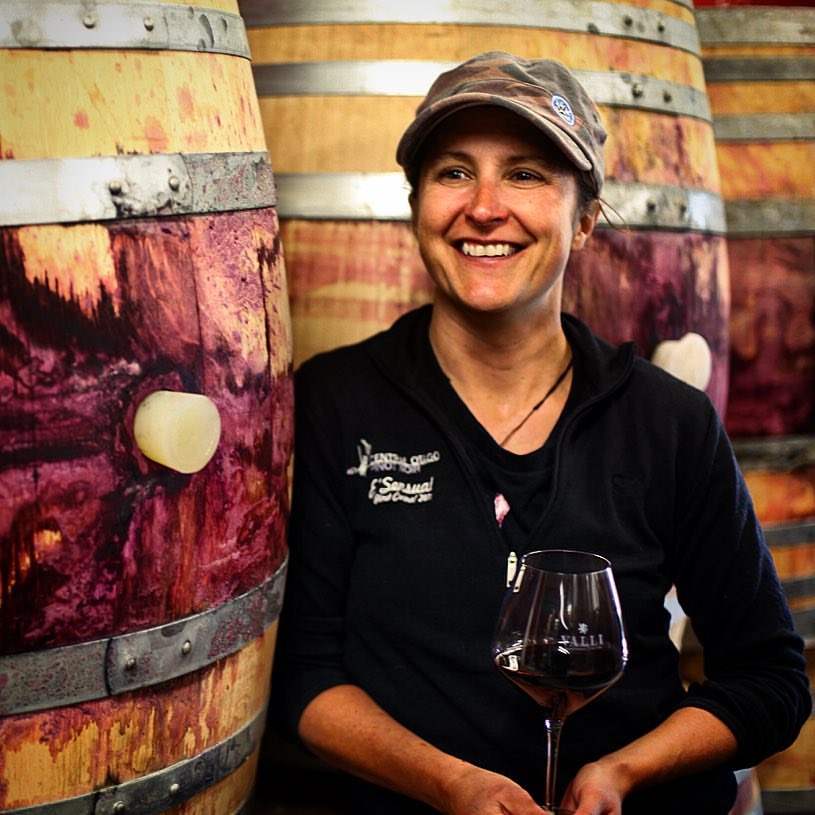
95 539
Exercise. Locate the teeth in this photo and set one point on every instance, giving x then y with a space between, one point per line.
490 250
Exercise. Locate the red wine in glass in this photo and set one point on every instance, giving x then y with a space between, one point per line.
560 637
563 685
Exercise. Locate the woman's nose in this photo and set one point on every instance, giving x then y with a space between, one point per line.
486 204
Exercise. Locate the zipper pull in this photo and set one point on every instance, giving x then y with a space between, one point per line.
512 565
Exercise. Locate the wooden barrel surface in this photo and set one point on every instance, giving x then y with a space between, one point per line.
139 256
760 72
787 779
780 474
338 84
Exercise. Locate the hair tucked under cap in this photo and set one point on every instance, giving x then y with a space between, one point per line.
542 91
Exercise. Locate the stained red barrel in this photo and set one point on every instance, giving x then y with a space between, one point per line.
760 73
139 253
338 85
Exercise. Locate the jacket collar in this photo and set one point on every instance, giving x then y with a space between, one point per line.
604 367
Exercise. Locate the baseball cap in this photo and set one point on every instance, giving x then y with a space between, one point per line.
542 91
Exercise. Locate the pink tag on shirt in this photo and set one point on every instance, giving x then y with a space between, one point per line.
501 508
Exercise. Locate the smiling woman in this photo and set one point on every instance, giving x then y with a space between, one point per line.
501 197
496 214
505 426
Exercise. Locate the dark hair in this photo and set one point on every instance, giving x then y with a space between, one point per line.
586 195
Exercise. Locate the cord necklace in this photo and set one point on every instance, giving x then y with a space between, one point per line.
539 404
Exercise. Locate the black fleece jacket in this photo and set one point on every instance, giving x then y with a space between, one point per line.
398 567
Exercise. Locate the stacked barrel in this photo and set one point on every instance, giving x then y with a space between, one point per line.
338 83
145 409
760 72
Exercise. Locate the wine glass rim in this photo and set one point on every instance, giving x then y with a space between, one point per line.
603 563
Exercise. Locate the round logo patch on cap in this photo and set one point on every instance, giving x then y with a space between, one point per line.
563 109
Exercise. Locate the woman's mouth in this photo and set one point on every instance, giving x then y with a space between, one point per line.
487 250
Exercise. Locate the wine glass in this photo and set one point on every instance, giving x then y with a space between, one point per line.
560 637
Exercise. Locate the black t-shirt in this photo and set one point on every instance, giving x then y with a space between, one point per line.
516 486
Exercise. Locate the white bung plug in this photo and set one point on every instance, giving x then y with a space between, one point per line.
688 359
179 430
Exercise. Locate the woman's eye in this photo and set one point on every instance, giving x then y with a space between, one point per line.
526 176
452 174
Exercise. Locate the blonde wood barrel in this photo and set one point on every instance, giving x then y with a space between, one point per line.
139 253
787 780
338 83
760 72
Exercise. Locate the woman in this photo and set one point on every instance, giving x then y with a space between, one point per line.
430 457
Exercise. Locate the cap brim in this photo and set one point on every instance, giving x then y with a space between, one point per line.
420 129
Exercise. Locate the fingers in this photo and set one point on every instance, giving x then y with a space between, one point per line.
592 796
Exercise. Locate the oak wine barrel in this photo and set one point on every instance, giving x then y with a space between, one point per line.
759 66
338 83
140 264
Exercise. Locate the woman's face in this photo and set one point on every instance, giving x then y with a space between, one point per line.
495 214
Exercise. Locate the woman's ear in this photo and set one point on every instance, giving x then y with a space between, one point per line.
585 225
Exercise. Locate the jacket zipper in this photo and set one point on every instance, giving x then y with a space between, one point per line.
512 567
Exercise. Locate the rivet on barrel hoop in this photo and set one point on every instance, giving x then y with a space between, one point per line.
130 25
95 670
525 13
186 647
71 189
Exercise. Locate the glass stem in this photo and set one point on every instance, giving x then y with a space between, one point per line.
553 728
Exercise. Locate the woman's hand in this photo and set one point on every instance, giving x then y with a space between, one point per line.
475 791
595 790
345 727
689 741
